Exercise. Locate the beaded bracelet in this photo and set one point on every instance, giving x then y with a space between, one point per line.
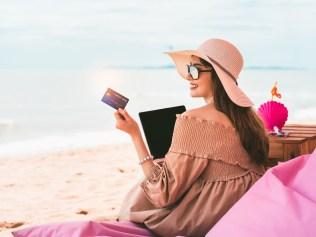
149 157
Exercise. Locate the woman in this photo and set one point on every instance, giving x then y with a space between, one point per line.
217 153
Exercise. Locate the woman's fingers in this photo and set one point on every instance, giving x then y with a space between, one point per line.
124 114
118 116
125 122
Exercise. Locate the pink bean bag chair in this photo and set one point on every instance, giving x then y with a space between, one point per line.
85 229
281 203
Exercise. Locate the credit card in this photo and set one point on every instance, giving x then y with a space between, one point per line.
114 99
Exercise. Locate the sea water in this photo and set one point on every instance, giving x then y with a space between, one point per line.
49 111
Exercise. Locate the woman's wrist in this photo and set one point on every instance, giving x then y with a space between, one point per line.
146 158
135 134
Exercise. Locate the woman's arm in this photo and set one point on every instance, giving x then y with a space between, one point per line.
127 124
142 152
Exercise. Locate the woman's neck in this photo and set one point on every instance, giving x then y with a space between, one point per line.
209 100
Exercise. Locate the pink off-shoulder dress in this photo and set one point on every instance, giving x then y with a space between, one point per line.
205 171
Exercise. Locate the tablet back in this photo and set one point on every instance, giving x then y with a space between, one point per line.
158 128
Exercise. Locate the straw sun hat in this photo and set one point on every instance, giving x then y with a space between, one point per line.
226 61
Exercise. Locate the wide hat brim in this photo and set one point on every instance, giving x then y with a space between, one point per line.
183 58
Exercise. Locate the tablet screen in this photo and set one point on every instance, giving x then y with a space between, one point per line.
158 128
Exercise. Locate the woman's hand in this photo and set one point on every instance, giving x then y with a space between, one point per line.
125 122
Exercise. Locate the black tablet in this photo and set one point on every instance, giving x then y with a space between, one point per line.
158 128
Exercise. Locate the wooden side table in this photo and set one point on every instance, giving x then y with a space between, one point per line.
301 140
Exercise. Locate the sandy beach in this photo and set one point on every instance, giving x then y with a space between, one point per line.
82 184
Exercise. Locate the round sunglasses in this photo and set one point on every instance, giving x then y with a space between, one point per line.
195 71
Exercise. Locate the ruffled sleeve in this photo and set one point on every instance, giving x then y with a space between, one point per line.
172 178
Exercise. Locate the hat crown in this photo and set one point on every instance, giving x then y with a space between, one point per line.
224 54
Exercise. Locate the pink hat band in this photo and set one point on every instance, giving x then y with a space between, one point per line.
224 69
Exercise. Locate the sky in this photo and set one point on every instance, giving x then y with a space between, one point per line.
64 34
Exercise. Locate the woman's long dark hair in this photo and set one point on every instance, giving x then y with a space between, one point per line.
250 127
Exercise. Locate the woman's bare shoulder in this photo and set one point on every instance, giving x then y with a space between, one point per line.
200 112
192 112
208 113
